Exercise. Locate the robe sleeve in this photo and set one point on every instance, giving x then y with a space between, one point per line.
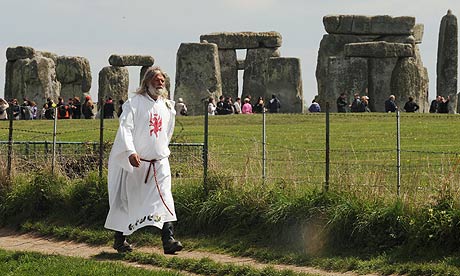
172 121
123 145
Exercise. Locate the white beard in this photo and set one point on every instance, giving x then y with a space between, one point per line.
155 92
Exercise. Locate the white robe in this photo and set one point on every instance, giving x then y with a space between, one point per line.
146 128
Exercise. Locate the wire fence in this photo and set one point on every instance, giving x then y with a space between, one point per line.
364 159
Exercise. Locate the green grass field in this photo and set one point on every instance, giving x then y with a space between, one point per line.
363 156
27 263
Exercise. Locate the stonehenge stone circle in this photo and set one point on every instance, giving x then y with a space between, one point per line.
259 78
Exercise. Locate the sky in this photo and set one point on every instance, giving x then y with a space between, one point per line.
95 29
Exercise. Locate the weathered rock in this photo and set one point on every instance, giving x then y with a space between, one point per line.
113 82
447 63
74 73
229 72
369 25
50 55
380 73
406 39
255 70
197 75
131 60
244 40
407 80
284 79
32 78
419 29
333 46
19 52
343 75
378 49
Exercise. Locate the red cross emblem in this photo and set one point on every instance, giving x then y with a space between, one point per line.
155 124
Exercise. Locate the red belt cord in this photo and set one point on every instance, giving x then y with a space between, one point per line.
152 164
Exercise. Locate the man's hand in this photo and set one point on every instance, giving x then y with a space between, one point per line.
134 160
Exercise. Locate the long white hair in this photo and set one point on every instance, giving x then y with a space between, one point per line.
148 76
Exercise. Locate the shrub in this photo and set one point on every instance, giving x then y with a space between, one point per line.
33 198
88 199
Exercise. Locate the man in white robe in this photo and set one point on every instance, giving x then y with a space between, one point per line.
139 177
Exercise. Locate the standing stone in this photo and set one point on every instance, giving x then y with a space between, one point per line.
113 82
447 63
406 81
32 78
74 73
380 74
284 79
343 75
197 75
229 72
255 70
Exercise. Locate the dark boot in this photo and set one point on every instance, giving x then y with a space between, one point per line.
120 244
170 245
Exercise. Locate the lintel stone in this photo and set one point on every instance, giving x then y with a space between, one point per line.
243 40
359 24
131 60
19 52
379 49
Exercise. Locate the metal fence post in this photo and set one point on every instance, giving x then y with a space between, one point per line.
101 138
53 154
326 184
10 143
264 147
205 147
398 152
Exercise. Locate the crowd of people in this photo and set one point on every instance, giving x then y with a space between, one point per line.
72 109
440 105
361 104
75 109
226 106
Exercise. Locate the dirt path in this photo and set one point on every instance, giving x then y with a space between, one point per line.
10 240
